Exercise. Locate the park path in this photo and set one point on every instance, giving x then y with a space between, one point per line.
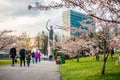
45 70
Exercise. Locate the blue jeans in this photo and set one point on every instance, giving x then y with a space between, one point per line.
39 59
36 59
33 60
28 62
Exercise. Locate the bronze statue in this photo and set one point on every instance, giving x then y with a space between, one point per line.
51 32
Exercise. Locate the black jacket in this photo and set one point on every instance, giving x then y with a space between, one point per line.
12 52
22 53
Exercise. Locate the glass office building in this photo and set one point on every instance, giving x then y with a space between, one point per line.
71 18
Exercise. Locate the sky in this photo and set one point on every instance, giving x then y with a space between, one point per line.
15 15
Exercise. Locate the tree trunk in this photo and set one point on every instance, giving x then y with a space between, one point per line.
105 58
104 65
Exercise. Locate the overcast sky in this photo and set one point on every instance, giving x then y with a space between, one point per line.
15 15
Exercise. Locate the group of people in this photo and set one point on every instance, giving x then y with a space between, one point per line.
25 55
36 56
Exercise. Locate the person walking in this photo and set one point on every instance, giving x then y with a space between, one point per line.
33 57
39 56
22 56
28 57
36 56
12 55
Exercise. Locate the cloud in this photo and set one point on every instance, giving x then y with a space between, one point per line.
15 15
16 8
31 24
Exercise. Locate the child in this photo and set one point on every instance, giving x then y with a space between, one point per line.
28 57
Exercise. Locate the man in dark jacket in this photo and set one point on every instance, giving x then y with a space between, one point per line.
22 56
12 55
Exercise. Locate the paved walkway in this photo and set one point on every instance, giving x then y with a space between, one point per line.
45 70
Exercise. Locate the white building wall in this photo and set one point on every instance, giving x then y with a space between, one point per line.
66 24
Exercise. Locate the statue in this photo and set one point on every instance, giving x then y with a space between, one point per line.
51 32
50 39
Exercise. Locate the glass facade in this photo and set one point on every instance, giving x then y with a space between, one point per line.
73 19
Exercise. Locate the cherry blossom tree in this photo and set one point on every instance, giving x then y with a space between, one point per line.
106 14
115 41
6 40
105 39
105 10
23 41
72 46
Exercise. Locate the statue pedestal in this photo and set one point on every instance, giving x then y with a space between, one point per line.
50 52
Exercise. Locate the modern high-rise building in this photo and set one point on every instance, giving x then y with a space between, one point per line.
71 18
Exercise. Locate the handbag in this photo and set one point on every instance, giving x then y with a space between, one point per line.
16 59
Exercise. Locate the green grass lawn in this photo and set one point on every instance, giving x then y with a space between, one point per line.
90 69
6 62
